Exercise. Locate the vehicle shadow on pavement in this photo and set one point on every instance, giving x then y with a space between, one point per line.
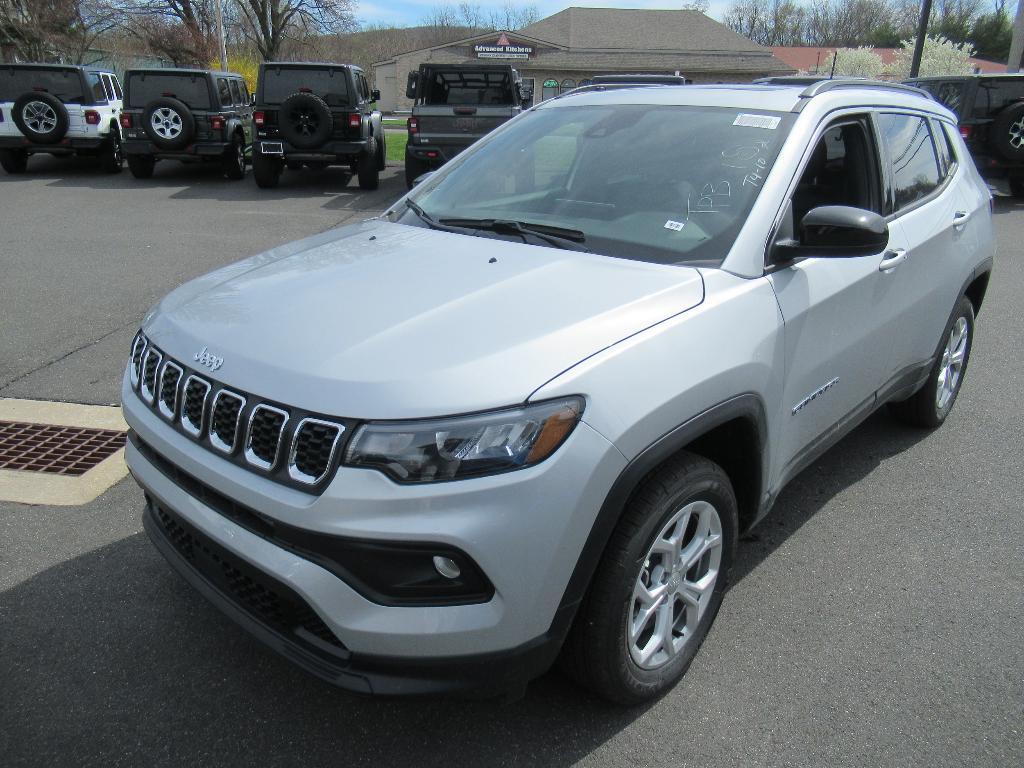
336 186
848 462
111 657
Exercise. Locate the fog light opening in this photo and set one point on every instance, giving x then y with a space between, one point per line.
447 567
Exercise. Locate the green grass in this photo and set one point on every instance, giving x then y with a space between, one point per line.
395 121
395 143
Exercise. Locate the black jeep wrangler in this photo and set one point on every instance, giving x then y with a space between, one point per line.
990 109
316 115
191 115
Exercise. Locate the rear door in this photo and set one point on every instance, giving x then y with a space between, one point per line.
837 311
928 216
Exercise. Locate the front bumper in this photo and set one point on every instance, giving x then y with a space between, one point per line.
524 529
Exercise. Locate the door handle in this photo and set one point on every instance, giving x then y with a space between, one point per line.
892 259
959 219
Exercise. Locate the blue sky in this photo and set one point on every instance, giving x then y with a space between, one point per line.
411 12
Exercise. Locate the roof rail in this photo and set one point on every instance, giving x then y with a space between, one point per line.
819 85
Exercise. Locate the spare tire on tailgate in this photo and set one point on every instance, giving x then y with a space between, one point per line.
1006 134
169 123
305 121
41 117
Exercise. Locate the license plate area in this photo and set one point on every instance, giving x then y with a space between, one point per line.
465 123
271 147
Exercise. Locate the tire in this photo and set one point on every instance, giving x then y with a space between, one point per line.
141 166
41 117
169 123
1017 187
931 404
382 153
414 168
369 174
1006 135
112 153
266 170
233 159
686 496
14 161
305 120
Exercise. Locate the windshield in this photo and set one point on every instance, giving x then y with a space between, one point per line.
665 184
192 89
331 85
65 84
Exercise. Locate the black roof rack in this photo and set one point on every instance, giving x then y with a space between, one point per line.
818 85
639 80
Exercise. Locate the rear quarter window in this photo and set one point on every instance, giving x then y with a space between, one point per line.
98 94
995 95
331 85
224 92
144 87
65 84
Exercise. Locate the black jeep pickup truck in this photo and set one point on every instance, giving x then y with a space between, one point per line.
316 115
191 115
453 106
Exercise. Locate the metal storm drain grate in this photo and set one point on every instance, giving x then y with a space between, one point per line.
54 449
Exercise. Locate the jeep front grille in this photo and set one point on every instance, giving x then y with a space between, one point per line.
240 427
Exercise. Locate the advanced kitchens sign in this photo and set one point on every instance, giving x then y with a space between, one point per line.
502 49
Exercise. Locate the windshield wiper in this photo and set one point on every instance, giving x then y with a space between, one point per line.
426 218
559 237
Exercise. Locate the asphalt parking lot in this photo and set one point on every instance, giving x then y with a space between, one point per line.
875 618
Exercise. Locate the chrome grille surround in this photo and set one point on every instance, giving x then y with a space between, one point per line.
250 455
297 474
196 395
215 439
135 361
169 411
148 390
186 423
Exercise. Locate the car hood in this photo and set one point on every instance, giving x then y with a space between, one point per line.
382 320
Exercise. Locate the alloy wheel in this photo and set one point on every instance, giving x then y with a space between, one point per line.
675 585
1017 134
166 123
39 116
952 365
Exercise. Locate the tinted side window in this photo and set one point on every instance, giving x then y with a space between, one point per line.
224 92
908 144
945 152
994 95
245 92
108 88
117 88
98 94
235 93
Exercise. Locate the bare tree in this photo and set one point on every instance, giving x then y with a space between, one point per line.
54 30
768 22
267 24
512 16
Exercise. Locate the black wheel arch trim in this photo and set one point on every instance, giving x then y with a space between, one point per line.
747 406
982 270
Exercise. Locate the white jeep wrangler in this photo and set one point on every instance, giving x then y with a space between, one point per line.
59 109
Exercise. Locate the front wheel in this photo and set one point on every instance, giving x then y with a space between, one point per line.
369 173
659 585
931 404
14 161
266 170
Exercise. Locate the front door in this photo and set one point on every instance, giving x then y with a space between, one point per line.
836 310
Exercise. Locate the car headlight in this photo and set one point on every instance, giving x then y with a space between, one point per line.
465 446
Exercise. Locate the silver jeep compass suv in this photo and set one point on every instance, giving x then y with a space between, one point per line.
527 412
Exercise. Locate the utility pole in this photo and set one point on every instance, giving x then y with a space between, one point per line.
1017 41
220 36
922 32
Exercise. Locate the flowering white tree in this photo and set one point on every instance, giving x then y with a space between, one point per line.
856 62
940 57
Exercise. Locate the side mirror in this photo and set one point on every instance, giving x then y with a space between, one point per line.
375 95
412 85
421 178
835 231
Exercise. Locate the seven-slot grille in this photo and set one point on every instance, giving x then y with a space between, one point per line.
246 431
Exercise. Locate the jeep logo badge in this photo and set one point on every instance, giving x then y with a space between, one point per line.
203 357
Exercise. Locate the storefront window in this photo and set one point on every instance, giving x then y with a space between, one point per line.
568 84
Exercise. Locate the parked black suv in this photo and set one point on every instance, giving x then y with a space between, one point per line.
190 115
316 115
990 109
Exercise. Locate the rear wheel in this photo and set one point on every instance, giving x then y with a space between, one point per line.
414 168
659 585
369 173
266 170
13 161
112 153
931 404
141 166
233 160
